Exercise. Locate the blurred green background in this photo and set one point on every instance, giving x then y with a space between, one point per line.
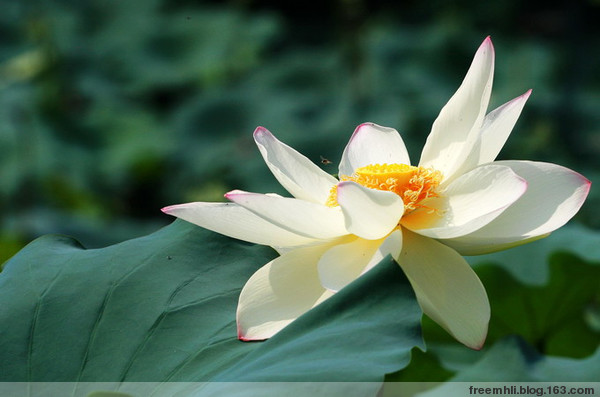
112 109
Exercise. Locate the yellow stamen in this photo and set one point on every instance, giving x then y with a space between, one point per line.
412 184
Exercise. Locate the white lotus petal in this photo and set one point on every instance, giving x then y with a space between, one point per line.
373 144
234 221
554 195
495 130
369 213
498 125
343 263
279 292
446 287
470 202
471 245
455 130
298 216
392 245
297 174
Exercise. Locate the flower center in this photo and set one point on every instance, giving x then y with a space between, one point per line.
412 184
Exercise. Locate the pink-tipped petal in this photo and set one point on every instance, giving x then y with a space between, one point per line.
495 130
455 130
235 221
498 125
373 144
297 174
554 195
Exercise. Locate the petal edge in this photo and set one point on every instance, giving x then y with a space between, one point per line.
296 173
447 289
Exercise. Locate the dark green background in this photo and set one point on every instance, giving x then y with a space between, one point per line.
110 110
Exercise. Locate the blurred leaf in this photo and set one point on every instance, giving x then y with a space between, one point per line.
513 360
507 362
9 245
162 308
550 317
510 361
22 67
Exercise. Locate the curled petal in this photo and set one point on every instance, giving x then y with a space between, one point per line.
455 130
369 213
554 195
279 292
373 144
447 289
297 216
297 174
237 222
470 202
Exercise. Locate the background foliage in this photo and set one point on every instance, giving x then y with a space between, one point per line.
113 109
110 110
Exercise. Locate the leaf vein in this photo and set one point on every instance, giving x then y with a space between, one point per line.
102 311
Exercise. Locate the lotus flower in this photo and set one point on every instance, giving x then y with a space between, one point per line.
456 201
